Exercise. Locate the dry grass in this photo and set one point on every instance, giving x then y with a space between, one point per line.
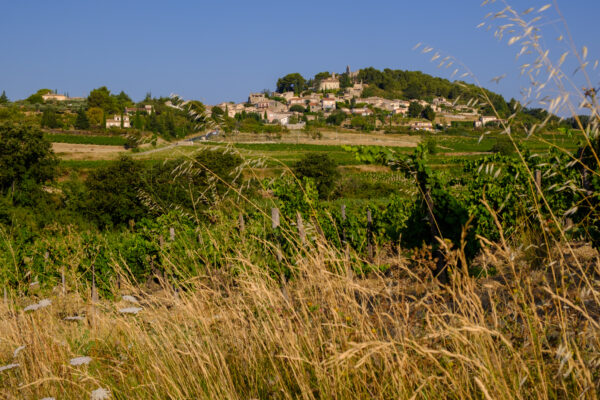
330 137
71 151
524 334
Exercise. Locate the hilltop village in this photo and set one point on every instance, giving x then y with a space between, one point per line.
388 101
329 99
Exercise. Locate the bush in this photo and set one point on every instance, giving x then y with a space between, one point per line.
321 168
431 145
503 146
297 108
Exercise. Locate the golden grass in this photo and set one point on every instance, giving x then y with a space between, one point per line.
524 334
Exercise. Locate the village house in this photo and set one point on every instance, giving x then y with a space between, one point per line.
296 100
484 120
132 110
118 121
374 101
422 126
355 90
254 98
362 111
288 95
328 103
440 101
278 118
314 105
331 83
54 97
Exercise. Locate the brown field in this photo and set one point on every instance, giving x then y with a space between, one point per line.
71 151
330 138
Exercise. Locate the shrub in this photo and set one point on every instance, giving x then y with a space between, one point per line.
320 167
503 146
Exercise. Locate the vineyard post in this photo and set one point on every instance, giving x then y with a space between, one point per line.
343 223
241 223
301 231
94 289
275 226
62 279
538 179
346 244
5 297
172 234
369 235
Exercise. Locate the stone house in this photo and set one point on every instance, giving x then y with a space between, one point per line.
54 97
118 121
331 83
328 103
254 98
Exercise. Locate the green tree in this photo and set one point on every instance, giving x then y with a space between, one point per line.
101 98
414 109
321 168
123 100
112 193
95 116
336 118
82 122
25 157
320 76
297 108
291 82
4 98
50 119
428 113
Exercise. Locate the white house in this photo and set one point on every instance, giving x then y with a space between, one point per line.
331 83
328 103
484 120
422 126
118 121
54 97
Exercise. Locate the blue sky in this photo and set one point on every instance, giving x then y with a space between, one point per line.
222 50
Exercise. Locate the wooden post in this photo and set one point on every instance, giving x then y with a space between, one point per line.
172 234
5 297
538 179
275 218
343 223
346 244
301 231
369 235
200 239
241 223
62 279
94 290
161 241
275 222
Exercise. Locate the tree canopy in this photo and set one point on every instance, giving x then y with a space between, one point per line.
24 156
291 83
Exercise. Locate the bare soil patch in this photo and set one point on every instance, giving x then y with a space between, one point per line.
329 138
86 151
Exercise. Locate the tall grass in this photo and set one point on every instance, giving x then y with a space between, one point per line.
523 334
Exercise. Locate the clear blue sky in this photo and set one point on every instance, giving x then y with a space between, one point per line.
222 50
